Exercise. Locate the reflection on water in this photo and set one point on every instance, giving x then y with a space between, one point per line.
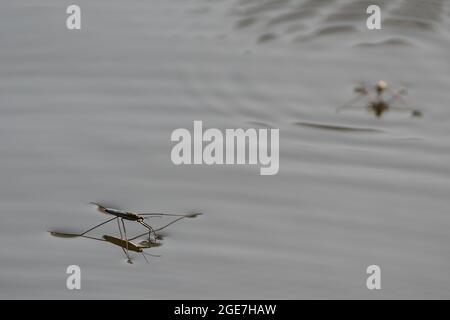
88 115
336 128
312 19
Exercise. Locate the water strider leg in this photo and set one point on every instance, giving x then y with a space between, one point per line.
154 230
145 257
121 237
82 234
150 231
125 232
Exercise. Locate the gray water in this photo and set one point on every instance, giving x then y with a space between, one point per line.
87 116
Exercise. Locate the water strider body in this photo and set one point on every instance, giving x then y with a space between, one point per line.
377 102
140 217
125 215
120 213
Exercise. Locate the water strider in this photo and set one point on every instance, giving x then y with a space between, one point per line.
137 217
124 241
377 102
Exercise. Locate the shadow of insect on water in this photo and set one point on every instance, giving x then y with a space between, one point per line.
336 128
124 241
380 99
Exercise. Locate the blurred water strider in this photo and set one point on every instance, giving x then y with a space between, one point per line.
377 103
